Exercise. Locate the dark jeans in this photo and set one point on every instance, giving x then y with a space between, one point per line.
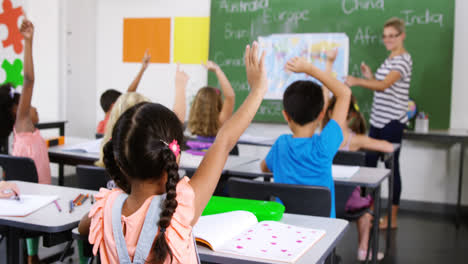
392 132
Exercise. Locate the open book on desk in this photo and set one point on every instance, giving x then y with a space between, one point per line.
92 146
239 233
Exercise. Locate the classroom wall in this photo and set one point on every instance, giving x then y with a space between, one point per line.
46 52
158 81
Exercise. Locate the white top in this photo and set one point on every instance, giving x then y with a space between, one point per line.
392 103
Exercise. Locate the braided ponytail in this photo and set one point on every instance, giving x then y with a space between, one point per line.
161 249
113 169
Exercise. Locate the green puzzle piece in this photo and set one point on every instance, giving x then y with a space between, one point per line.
13 72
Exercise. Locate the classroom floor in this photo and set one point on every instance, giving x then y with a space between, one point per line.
420 238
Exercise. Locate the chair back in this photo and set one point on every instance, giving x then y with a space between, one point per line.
92 177
297 199
18 168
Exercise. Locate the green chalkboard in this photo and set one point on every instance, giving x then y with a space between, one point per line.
235 23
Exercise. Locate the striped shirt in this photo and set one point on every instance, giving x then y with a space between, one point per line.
392 103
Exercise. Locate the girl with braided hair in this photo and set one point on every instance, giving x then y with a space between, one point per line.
149 218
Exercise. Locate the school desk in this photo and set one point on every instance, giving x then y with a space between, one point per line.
371 178
451 137
335 229
59 154
47 220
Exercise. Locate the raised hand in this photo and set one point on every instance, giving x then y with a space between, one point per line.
331 55
211 66
366 71
146 59
27 29
297 65
255 68
181 78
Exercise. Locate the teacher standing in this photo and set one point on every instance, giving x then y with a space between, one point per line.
390 104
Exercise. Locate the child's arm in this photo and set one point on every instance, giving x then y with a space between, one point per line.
23 119
181 80
228 92
85 223
144 64
264 167
340 90
331 57
206 177
368 143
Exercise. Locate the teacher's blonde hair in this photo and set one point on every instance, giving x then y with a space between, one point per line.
396 23
124 102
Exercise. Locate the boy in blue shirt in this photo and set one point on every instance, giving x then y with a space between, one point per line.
305 157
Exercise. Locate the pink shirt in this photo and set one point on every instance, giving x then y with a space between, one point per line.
33 146
178 234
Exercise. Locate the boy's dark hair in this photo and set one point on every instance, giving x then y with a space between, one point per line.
138 150
7 101
303 101
108 98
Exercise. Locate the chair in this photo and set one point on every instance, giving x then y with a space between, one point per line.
18 168
92 177
297 199
4 145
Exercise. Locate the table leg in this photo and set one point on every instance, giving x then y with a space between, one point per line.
61 176
390 203
375 226
13 247
460 183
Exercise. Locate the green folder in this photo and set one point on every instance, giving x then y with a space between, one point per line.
263 210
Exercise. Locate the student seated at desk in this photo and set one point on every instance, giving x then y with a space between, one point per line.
355 139
209 112
19 116
110 96
153 205
128 100
305 157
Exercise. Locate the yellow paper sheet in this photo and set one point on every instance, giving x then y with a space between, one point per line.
191 39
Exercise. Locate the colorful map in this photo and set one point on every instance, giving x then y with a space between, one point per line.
313 46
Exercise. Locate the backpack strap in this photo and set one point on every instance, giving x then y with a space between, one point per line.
147 234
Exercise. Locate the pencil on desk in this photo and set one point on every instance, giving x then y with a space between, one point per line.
83 200
58 206
77 198
71 206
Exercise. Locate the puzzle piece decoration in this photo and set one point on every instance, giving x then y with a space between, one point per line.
9 17
13 72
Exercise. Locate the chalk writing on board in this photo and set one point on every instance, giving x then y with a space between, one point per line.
271 109
351 6
244 6
355 70
293 17
366 36
413 19
240 86
231 33
222 61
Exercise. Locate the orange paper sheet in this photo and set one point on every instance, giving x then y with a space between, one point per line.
141 34
191 39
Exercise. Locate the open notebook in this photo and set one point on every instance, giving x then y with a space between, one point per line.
93 146
239 233
27 205
344 172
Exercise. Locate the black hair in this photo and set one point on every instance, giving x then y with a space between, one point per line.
108 98
7 101
138 150
303 101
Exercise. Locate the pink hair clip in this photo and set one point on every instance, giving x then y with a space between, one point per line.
173 146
